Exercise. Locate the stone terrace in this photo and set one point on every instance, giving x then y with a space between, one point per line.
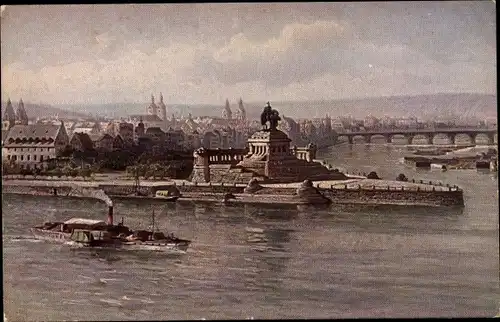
353 183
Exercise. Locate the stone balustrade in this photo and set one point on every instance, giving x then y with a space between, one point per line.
307 153
205 157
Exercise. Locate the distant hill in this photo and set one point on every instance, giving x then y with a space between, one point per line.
421 106
37 110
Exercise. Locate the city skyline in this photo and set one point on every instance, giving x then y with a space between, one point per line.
204 53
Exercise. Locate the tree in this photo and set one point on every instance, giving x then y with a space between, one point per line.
26 172
148 173
135 172
36 172
372 175
85 172
67 171
401 177
67 151
58 172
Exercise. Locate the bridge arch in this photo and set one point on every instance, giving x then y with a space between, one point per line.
464 138
484 138
380 138
422 138
361 137
344 138
398 138
427 136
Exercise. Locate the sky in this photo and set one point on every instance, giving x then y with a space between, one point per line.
204 53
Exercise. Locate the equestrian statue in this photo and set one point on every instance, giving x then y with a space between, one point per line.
270 115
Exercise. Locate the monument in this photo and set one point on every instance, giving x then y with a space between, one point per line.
268 158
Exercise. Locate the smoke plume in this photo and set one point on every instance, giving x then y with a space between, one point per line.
78 191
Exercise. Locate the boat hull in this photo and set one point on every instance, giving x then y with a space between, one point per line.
49 235
134 246
168 199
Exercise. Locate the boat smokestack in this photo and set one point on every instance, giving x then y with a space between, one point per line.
110 215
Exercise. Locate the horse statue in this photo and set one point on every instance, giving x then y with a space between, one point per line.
270 115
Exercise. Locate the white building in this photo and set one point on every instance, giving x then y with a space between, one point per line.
31 146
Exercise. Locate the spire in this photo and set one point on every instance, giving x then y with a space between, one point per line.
242 109
162 109
227 114
21 116
9 114
152 108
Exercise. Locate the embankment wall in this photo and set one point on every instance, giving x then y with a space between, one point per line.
335 194
365 196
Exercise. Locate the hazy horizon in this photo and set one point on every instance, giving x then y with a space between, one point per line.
420 106
235 100
204 53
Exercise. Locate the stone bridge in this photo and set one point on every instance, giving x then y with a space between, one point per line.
429 134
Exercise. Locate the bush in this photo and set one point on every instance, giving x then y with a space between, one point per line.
372 175
26 172
401 177
85 173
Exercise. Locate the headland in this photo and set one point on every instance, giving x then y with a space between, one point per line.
268 171
351 191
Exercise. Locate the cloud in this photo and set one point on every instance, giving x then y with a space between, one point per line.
257 52
301 51
131 76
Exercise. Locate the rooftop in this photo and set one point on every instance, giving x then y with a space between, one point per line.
33 131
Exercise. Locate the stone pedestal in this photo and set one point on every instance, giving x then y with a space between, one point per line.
308 193
270 156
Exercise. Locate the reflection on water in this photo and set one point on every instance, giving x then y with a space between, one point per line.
337 262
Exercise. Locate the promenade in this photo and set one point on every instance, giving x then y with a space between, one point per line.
350 184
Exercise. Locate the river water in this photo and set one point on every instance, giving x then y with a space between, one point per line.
343 262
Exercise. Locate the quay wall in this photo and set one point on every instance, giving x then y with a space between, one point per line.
337 195
368 196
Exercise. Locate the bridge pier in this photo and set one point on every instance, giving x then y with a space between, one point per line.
473 138
451 138
430 134
491 139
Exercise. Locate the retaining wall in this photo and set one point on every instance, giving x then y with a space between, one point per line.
365 196
336 195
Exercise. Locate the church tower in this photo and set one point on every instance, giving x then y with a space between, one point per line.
162 109
9 117
21 116
227 113
152 108
241 108
173 121
327 123
140 129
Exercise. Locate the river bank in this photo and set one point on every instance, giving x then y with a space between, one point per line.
355 190
466 158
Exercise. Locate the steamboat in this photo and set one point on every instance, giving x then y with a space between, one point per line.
81 232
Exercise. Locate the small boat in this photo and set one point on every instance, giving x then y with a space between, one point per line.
165 195
81 232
